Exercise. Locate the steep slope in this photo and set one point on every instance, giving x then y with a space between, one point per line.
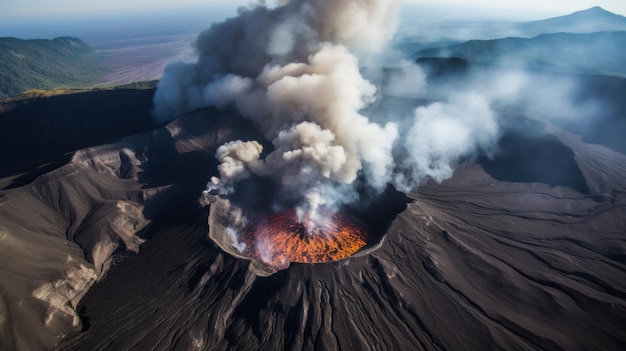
45 64
59 230
37 132
57 235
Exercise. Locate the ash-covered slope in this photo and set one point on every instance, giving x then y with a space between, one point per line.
40 128
472 263
57 234
60 223
487 259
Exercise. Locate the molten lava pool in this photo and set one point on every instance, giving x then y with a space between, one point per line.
281 238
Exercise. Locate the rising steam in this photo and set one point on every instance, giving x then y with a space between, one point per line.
292 70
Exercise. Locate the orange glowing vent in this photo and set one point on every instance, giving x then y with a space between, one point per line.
282 238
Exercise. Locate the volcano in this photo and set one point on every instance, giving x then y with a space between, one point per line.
113 246
273 240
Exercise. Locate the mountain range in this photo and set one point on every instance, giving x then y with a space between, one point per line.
589 53
573 40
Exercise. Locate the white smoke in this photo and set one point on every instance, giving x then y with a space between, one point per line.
443 132
234 236
289 69
236 159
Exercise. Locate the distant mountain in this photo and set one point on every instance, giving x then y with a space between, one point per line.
595 19
594 53
446 33
44 64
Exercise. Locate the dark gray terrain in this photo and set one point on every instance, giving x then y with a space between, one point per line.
485 260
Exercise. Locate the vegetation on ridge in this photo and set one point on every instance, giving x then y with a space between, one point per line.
44 64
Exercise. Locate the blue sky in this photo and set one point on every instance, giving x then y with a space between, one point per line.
68 8
15 10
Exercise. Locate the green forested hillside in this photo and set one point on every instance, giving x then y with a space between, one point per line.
44 64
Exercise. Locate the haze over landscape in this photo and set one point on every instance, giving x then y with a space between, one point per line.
312 174
21 10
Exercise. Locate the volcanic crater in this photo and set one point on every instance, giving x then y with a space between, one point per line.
273 239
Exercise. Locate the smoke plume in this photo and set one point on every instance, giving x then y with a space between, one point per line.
293 71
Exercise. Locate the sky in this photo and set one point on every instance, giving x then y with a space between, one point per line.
23 13
16 10
67 8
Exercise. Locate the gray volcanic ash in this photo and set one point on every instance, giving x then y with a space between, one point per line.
470 263
292 70
61 223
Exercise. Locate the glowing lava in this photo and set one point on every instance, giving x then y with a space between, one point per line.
282 238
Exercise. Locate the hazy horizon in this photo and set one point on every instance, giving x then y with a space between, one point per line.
18 11
520 9
26 20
